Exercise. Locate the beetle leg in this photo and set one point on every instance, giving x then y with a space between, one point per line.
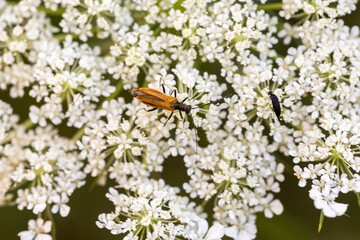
173 91
184 100
168 118
150 110
196 136
181 115
163 87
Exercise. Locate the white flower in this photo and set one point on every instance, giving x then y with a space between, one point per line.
215 232
37 230
37 115
244 232
274 207
324 200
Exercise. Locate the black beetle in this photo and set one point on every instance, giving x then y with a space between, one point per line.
276 104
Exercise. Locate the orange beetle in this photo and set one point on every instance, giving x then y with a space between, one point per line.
157 99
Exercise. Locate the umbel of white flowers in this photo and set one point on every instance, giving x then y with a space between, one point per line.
221 51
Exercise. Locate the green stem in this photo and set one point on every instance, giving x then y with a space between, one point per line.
296 127
143 230
17 186
61 36
358 198
258 91
321 220
204 202
137 231
119 87
49 12
345 168
27 124
51 218
270 6
78 134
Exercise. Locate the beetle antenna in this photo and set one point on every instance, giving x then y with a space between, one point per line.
212 102
196 140
140 109
201 105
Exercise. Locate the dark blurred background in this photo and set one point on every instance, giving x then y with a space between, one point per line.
299 220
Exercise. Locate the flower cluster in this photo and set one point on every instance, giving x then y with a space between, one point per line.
46 164
72 73
334 163
75 61
49 164
21 29
323 11
8 122
242 185
327 137
153 210
39 169
114 136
